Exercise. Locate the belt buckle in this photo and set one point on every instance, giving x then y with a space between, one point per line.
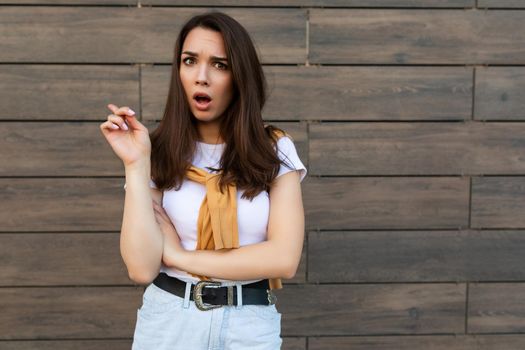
272 298
197 294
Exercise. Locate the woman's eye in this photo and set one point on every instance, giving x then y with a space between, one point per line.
187 58
222 65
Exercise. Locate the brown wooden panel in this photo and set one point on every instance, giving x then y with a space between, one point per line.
415 256
386 203
496 307
324 3
417 148
369 93
91 34
250 3
61 204
498 202
69 312
412 37
34 149
294 343
372 309
70 92
84 344
501 3
500 93
33 259
317 93
428 342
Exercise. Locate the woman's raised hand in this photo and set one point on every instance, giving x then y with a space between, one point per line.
126 135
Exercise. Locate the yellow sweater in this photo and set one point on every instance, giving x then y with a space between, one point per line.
217 222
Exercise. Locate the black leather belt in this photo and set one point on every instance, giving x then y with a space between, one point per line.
211 292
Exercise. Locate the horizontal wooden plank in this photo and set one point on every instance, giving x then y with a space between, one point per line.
312 310
267 3
33 149
67 92
415 256
501 4
61 204
471 148
416 37
428 342
386 203
498 202
496 307
82 344
289 343
319 93
500 93
92 259
145 34
69 313
324 3
30 148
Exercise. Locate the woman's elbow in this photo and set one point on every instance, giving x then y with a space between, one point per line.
290 270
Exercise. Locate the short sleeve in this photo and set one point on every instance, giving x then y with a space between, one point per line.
287 153
151 184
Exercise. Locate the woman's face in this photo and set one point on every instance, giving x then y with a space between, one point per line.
200 71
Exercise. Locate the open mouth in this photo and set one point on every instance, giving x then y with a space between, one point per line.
202 101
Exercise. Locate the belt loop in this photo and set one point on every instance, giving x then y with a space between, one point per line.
187 293
239 295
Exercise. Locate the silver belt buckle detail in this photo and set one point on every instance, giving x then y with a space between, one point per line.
197 295
272 298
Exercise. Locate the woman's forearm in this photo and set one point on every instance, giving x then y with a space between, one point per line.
141 240
254 261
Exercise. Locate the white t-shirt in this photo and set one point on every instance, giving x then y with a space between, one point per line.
183 206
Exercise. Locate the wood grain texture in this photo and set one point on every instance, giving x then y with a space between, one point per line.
81 344
324 3
496 307
372 309
498 202
386 202
500 93
61 204
65 92
345 93
387 36
68 312
469 148
501 4
415 256
55 259
251 3
140 35
429 342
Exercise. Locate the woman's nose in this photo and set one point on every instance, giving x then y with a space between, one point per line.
202 74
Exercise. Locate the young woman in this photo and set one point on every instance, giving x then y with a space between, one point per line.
222 219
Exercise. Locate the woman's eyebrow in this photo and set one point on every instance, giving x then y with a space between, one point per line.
212 57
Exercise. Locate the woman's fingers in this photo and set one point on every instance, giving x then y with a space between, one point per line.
118 121
109 125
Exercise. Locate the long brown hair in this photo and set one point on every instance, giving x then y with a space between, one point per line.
249 159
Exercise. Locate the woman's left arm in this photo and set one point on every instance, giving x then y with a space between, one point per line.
277 257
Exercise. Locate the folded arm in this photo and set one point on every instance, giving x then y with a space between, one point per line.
276 257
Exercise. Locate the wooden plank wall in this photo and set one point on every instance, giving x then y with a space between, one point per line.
410 115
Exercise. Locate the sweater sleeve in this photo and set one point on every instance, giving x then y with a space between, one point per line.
288 153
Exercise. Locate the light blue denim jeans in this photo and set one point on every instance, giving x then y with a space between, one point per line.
167 321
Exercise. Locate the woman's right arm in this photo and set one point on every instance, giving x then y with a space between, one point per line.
141 239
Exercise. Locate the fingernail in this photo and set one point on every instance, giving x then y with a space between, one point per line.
113 126
131 112
124 126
